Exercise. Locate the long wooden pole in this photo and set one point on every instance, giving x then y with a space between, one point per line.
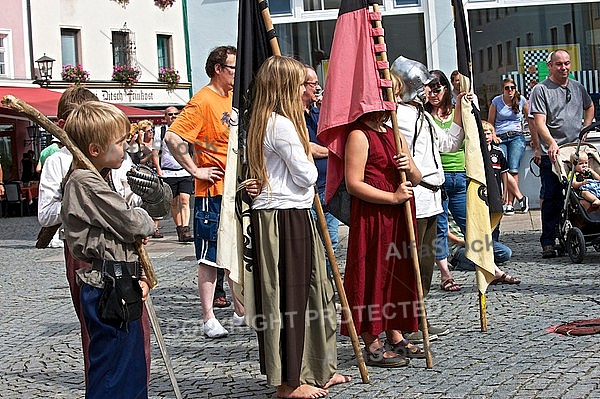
481 297
36 116
407 210
322 224
482 312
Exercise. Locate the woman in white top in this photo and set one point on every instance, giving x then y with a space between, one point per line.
297 353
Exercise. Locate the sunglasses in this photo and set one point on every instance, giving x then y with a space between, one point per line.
436 90
568 96
173 113
232 67
507 88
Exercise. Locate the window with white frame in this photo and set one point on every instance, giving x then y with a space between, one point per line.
123 46
70 46
311 40
280 7
402 3
165 50
3 55
321 5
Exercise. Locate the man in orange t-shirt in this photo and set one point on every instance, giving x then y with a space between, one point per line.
204 122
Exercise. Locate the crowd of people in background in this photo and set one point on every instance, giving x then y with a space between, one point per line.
288 165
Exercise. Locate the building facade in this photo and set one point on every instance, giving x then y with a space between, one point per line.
101 35
121 49
508 38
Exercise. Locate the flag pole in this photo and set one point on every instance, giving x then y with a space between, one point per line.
482 311
465 66
322 224
407 207
481 297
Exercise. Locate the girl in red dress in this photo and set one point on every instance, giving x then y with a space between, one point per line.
379 277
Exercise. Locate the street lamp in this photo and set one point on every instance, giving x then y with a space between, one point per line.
45 67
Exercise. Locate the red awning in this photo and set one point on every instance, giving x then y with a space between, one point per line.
46 101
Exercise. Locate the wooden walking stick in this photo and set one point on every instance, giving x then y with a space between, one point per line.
407 208
36 116
322 224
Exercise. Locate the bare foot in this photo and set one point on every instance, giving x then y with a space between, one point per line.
337 379
304 391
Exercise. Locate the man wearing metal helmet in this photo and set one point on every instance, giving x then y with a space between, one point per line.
425 141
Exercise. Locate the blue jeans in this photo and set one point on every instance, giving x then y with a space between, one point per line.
455 187
332 227
551 193
502 254
513 148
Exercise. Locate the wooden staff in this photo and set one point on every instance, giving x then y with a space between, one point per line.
481 297
322 224
36 116
482 312
407 209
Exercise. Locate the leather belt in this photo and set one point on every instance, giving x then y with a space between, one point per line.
430 186
509 134
116 268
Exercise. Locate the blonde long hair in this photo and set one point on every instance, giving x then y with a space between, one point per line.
276 89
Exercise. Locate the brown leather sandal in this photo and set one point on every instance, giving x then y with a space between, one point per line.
506 279
450 285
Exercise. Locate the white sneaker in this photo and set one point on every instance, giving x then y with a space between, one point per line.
238 321
509 210
56 243
214 329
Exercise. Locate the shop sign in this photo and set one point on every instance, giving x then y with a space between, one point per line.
133 96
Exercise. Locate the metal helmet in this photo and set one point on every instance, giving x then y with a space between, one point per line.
414 77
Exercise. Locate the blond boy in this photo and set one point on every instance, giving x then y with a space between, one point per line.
101 229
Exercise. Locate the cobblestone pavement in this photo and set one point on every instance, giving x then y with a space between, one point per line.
40 350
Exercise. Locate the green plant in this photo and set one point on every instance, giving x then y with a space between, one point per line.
74 74
170 76
164 4
125 74
123 3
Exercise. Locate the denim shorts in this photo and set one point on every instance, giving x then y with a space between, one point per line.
513 147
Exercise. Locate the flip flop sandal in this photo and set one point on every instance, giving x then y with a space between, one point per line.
221 302
506 279
378 359
405 348
450 285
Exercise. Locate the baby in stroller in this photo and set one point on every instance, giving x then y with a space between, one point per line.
586 179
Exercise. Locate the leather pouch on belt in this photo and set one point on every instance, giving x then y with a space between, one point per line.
121 300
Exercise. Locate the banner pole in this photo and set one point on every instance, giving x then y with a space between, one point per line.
407 210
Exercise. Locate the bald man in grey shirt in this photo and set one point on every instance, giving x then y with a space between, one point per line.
558 105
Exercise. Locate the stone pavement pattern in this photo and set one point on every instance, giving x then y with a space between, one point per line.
40 350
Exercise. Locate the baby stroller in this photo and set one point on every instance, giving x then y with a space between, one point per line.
579 224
